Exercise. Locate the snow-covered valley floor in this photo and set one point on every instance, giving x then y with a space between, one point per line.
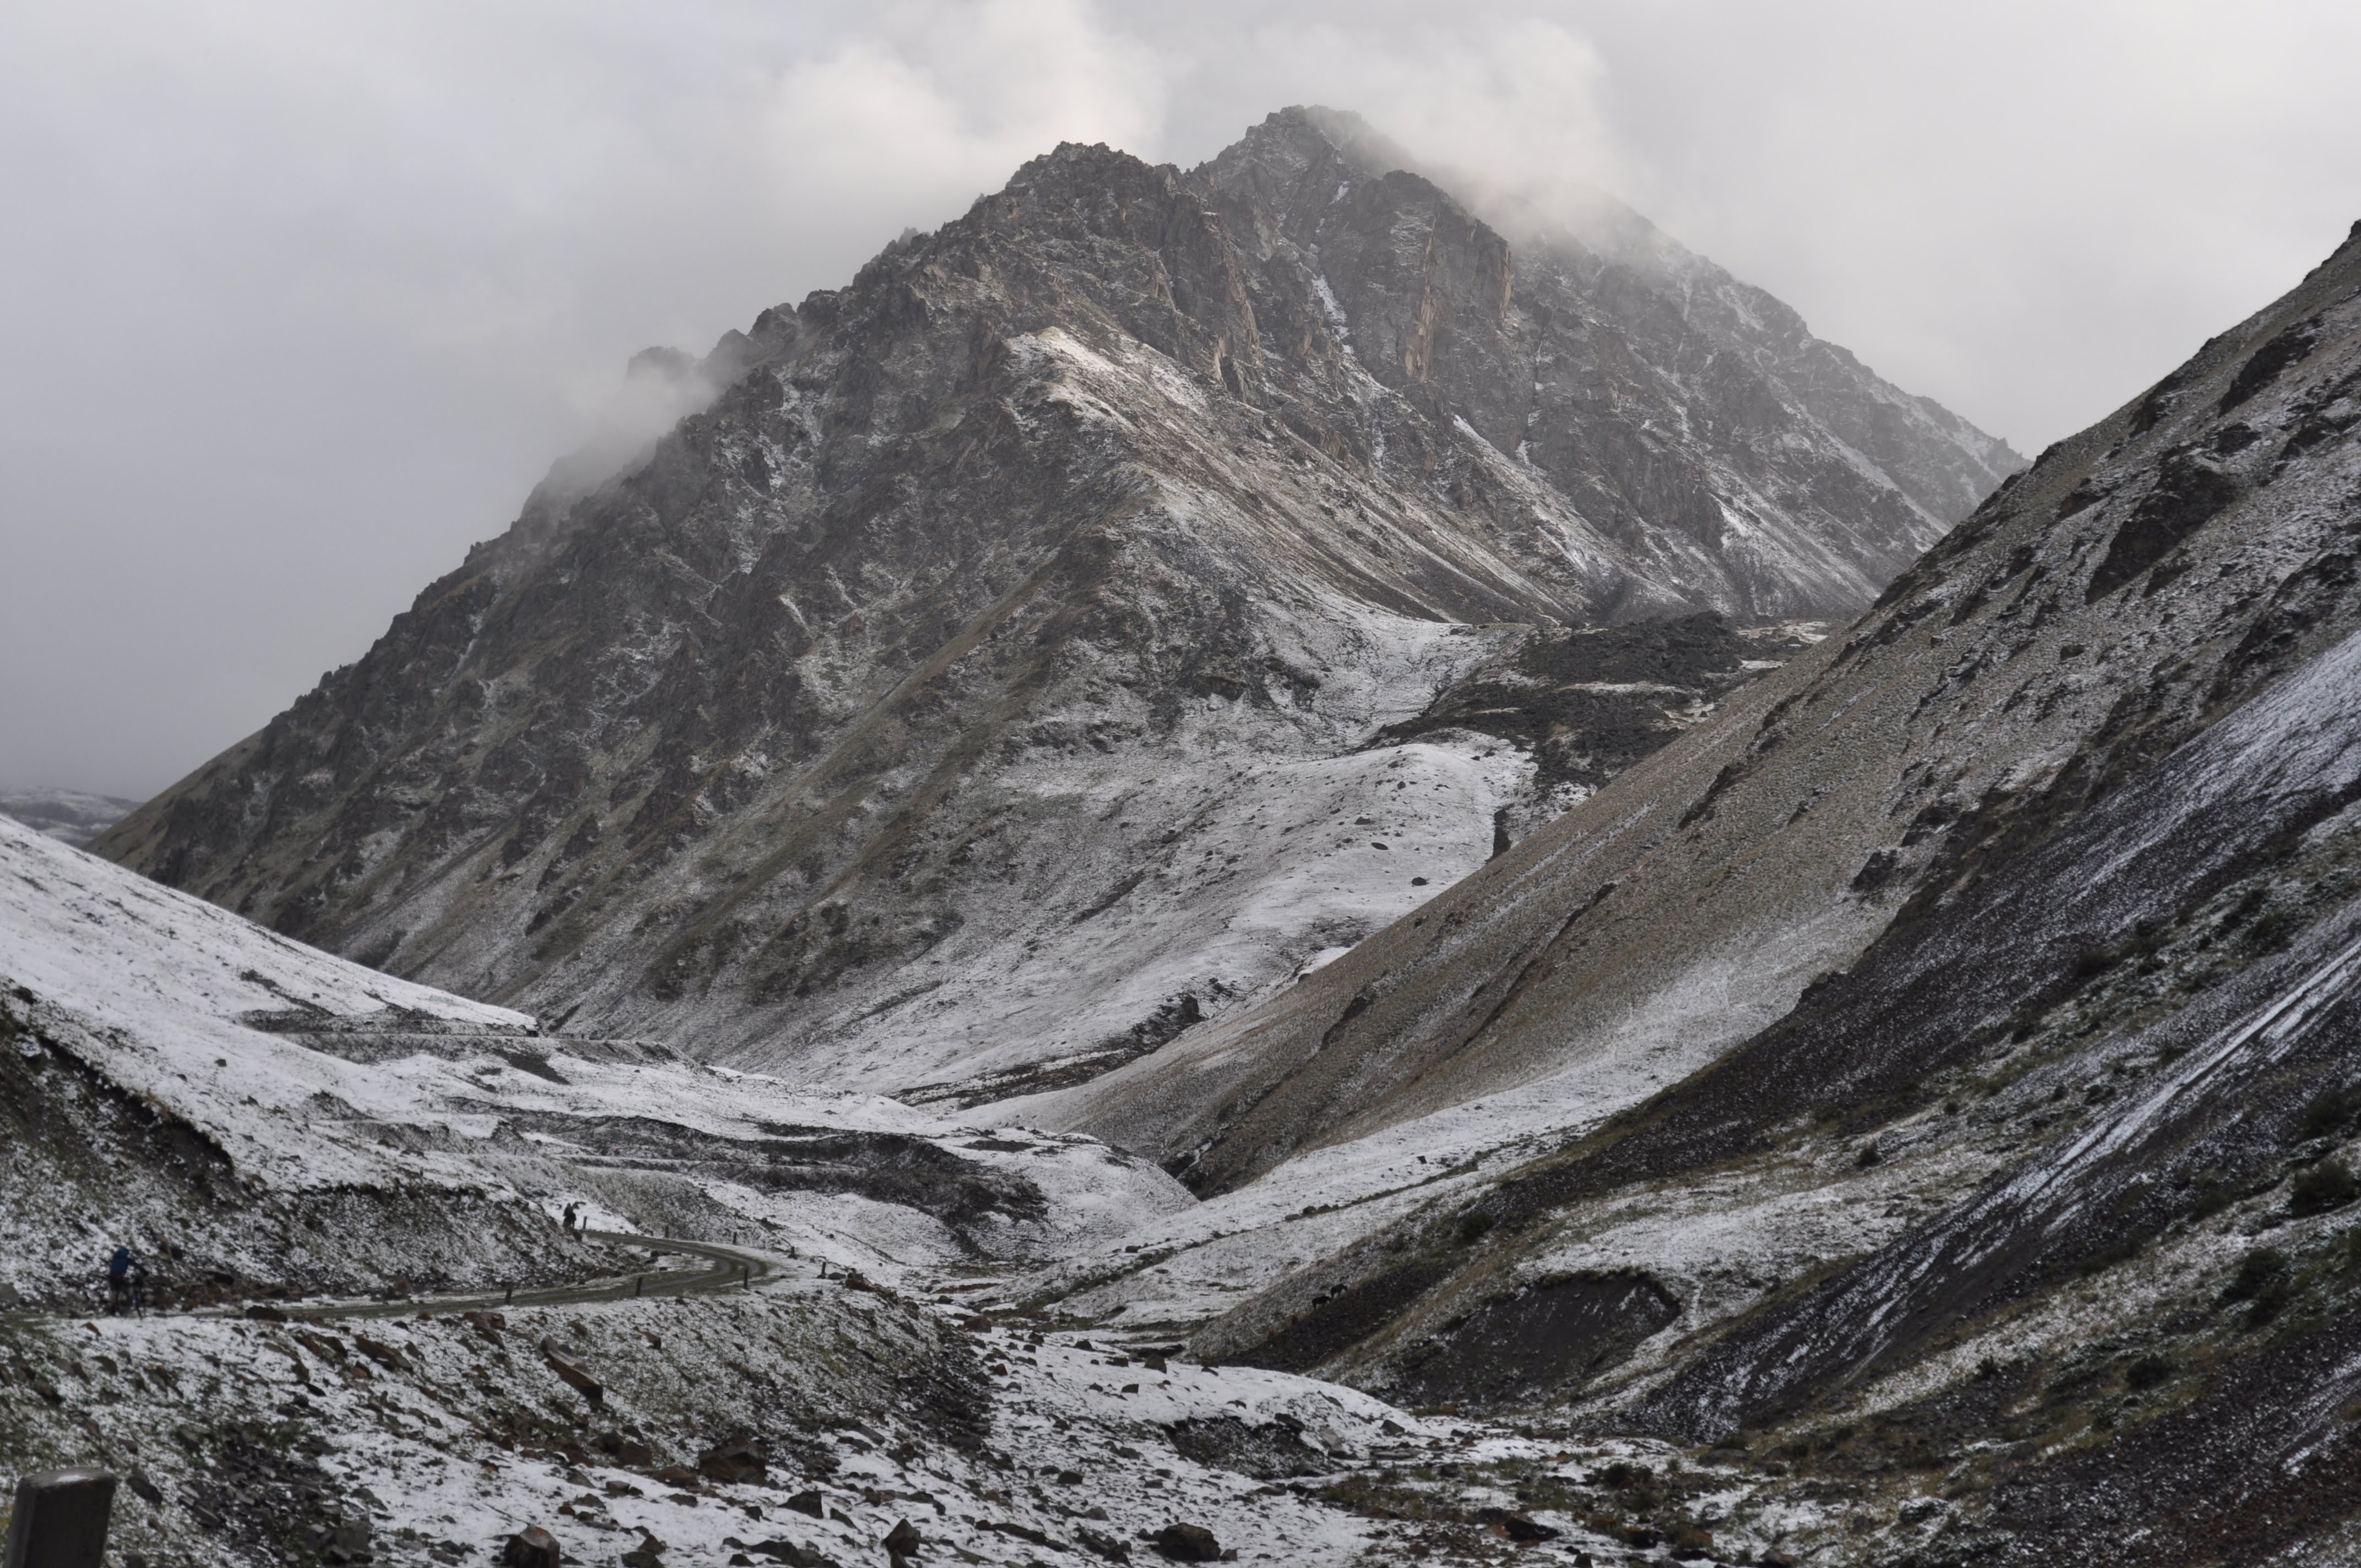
270 1127
435 1438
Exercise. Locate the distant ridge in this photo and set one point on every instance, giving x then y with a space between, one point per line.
70 815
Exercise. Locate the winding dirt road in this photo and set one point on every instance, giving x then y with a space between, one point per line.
725 1268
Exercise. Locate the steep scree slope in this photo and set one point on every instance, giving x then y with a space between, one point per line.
1937 1068
977 693
2011 677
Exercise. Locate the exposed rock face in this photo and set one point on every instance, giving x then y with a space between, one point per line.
979 691
1987 696
1583 705
1689 417
1929 1036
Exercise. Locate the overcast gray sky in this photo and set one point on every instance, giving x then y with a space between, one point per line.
298 300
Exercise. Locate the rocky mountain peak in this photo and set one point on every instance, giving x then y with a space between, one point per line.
988 670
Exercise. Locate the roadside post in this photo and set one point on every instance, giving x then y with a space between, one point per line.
60 1519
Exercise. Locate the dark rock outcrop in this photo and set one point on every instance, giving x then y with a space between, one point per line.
1188 1543
531 1547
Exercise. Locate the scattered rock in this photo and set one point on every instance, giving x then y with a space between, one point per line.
1188 1543
531 1547
386 1355
573 1375
740 1457
902 1543
1106 1546
622 1450
788 1553
1516 1527
810 1503
349 1542
1271 1452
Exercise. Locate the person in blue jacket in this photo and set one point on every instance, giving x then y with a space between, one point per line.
124 1275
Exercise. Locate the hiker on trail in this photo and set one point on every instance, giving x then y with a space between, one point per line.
124 1275
571 1224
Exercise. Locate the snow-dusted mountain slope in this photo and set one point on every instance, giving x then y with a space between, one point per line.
1940 1061
2144 578
2050 1196
259 1119
1043 644
803 1422
252 1114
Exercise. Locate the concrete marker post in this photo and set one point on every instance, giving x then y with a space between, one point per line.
61 1518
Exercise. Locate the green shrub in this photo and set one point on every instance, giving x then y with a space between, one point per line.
2256 1271
2326 1117
2323 1187
2274 931
2263 1283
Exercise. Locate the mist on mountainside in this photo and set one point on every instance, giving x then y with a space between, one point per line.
1318 859
1044 643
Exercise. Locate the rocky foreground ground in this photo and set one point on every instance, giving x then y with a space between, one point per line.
810 1421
